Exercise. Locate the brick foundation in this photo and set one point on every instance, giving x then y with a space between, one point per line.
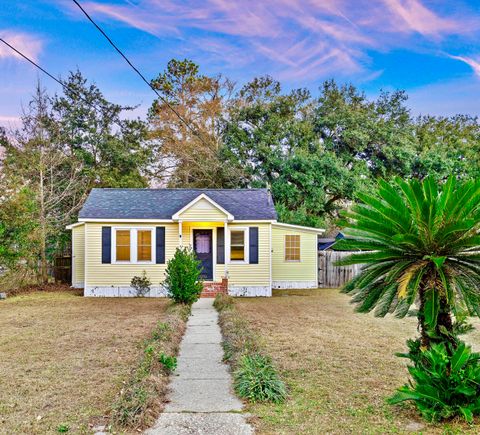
212 289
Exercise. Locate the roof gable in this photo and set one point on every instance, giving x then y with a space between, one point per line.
162 204
202 208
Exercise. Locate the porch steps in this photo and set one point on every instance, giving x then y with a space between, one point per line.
212 289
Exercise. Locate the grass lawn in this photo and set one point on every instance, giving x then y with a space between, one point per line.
63 357
339 366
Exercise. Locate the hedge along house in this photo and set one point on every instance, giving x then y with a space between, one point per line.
243 249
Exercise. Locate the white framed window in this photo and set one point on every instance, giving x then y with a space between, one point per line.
292 247
133 245
239 245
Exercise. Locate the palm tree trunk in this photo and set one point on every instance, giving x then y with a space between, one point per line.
424 337
444 323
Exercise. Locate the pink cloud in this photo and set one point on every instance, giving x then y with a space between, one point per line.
299 37
413 16
473 63
28 44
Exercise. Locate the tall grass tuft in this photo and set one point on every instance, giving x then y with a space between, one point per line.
256 380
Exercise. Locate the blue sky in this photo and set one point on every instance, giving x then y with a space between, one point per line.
430 48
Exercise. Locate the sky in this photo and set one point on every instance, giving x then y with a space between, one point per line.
430 48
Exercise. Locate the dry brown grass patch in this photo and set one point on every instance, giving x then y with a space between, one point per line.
142 396
64 357
339 365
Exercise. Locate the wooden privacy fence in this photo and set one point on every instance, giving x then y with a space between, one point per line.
62 269
331 276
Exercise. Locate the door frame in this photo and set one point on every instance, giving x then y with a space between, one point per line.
214 247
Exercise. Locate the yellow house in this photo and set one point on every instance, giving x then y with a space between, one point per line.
243 249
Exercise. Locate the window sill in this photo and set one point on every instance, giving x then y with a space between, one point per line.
132 262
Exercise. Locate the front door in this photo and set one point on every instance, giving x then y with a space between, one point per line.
202 245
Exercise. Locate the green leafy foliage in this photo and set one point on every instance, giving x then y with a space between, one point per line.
421 241
257 380
168 361
445 382
271 136
141 284
66 144
182 276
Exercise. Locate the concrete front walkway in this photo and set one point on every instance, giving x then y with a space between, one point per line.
201 399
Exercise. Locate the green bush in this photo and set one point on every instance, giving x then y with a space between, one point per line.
183 280
445 381
141 284
257 380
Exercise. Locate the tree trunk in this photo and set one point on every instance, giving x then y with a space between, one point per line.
424 337
444 323
43 228
443 331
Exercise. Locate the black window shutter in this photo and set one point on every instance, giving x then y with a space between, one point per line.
253 240
106 245
160 242
220 245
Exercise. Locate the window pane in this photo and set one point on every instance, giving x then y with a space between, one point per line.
144 253
144 245
202 244
237 238
237 253
292 247
123 237
123 245
237 245
144 237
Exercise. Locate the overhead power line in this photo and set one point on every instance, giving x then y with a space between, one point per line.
165 101
60 82
33 63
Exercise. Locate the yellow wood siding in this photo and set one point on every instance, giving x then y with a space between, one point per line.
78 242
203 211
303 270
98 274
250 274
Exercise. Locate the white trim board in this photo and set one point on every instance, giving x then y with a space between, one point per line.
82 221
75 225
106 220
299 227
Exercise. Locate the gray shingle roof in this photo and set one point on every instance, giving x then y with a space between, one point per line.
244 204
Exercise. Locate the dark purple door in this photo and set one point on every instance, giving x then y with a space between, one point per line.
202 245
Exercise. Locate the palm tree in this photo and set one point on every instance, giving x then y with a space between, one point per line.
423 246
